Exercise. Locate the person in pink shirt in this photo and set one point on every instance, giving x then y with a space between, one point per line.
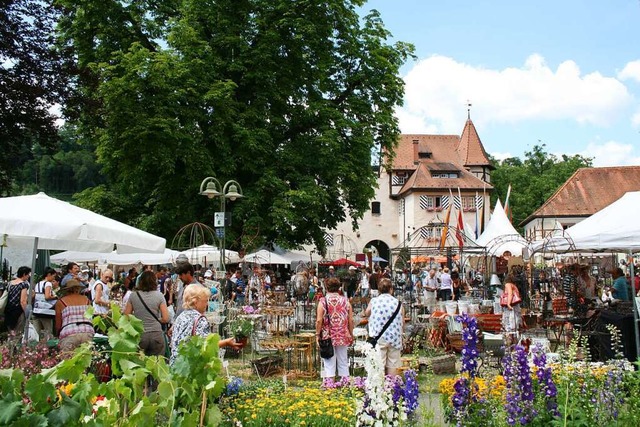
338 325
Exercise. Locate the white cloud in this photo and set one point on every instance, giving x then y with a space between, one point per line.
437 90
502 156
612 153
635 119
631 71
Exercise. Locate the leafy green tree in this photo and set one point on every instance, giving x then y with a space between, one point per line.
533 180
71 169
33 79
289 98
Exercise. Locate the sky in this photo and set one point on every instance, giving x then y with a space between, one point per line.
564 73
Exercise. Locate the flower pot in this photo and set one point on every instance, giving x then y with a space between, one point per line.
242 340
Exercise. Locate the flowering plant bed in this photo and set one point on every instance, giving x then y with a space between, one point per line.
533 392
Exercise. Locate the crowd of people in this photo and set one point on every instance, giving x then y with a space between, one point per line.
171 305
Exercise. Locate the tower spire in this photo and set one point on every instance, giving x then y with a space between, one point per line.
468 110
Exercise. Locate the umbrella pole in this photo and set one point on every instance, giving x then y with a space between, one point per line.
27 312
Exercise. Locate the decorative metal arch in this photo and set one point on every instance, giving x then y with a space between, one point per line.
343 247
194 234
501 240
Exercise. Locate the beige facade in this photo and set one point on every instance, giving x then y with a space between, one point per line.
428 173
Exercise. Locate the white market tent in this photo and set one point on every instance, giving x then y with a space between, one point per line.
42 222
60 225
145 258
207 254
500 235
263 256
79 257
613 229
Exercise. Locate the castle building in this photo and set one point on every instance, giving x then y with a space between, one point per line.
427 173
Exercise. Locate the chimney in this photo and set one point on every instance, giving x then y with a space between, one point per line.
416 144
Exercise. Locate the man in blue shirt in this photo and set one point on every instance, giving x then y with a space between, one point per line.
620 290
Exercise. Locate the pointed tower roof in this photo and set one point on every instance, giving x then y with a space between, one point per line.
470 148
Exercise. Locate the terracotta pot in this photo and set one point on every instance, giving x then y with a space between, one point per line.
242 340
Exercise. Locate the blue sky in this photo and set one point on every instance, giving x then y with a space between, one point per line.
564 73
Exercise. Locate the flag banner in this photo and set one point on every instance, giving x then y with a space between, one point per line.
460 230
477 218
445 229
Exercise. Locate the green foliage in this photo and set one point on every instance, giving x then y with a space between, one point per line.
533 180
290 98
241 328
193 386
631 416
32 80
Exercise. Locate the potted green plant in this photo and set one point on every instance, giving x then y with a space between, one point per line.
241 329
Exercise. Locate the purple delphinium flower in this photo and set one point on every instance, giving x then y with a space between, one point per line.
611 396
545 380
519 398
411 392
466 389
394 384
470 336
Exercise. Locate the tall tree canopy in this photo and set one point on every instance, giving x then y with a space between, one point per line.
288 97
533 180
32 80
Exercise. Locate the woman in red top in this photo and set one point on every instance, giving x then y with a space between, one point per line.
338 326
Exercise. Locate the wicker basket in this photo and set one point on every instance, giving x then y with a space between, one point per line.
266 366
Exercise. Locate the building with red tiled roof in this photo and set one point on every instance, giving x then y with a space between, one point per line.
426 174
586 192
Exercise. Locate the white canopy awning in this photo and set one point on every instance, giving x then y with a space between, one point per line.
500 235
61 225
263 256
612 229
207 254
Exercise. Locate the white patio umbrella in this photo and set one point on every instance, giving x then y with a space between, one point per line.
167 257
263 256
79 257
43 222
61 225
211 255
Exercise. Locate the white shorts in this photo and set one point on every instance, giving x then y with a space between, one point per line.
391 356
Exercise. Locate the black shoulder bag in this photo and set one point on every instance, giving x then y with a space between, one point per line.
326 346
374 340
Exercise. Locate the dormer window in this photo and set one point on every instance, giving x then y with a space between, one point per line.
424 155
445 175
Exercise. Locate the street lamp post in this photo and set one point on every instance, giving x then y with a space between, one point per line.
211 188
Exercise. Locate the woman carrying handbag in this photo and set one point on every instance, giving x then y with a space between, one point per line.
334 322
511 314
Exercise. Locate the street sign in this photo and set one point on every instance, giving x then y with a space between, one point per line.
218 219
220 232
